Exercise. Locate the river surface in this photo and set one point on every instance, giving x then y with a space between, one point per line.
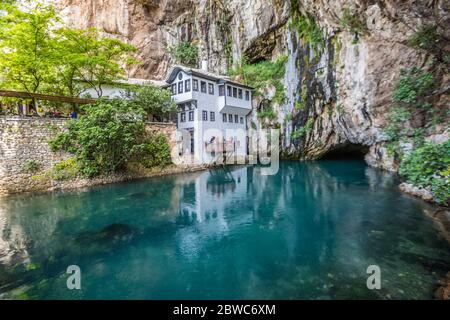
308 232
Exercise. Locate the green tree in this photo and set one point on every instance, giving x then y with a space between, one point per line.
185 53
86 56
26 46
152 99
110 135
37 56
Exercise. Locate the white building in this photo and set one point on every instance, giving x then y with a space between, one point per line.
212 113
118 88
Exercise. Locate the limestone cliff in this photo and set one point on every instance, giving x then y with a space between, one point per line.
344 87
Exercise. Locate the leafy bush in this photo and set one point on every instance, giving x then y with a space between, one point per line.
152 99
410 93
64 170
426 38
185 53
308 30
262 75
106 138
267 114
303 131
352 22
429 166
155 152
413 84
31 166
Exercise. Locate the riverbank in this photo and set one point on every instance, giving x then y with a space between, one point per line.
134 174
27 162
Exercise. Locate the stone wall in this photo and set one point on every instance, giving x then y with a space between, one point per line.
25 153
23 145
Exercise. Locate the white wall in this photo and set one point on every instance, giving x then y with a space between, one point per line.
205 130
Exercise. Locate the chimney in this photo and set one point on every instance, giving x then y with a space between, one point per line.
205 65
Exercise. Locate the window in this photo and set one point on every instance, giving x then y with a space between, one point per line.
181 106
203 86
230 118
194 104
183 117
236 118
188 106
229 91
234 92
187 86
195 85
174 89
224 117
247 95
240 93
221 90
191 115
180 76
180 87
205 115
212 116
242 120
210 88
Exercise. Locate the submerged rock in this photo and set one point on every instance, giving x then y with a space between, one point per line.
112 234
443 292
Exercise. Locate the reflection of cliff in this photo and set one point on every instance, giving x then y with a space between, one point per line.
12 242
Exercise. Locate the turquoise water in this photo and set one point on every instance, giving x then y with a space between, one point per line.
309 232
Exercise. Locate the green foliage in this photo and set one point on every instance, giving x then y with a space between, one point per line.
26 57
106 138
429 166
413 84
31 166
410 93
303 131
87 56
299 105
446 58
185 53
431 39
37 55
267 114
263 74
308 30
155 152
352 23
64 170
152 99
426 38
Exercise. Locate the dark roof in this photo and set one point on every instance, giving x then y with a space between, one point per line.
203 74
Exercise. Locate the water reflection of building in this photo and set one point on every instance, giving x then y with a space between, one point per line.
211 193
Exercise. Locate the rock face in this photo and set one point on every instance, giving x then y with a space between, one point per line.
345 88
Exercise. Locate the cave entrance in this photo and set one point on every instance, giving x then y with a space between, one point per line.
346 151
